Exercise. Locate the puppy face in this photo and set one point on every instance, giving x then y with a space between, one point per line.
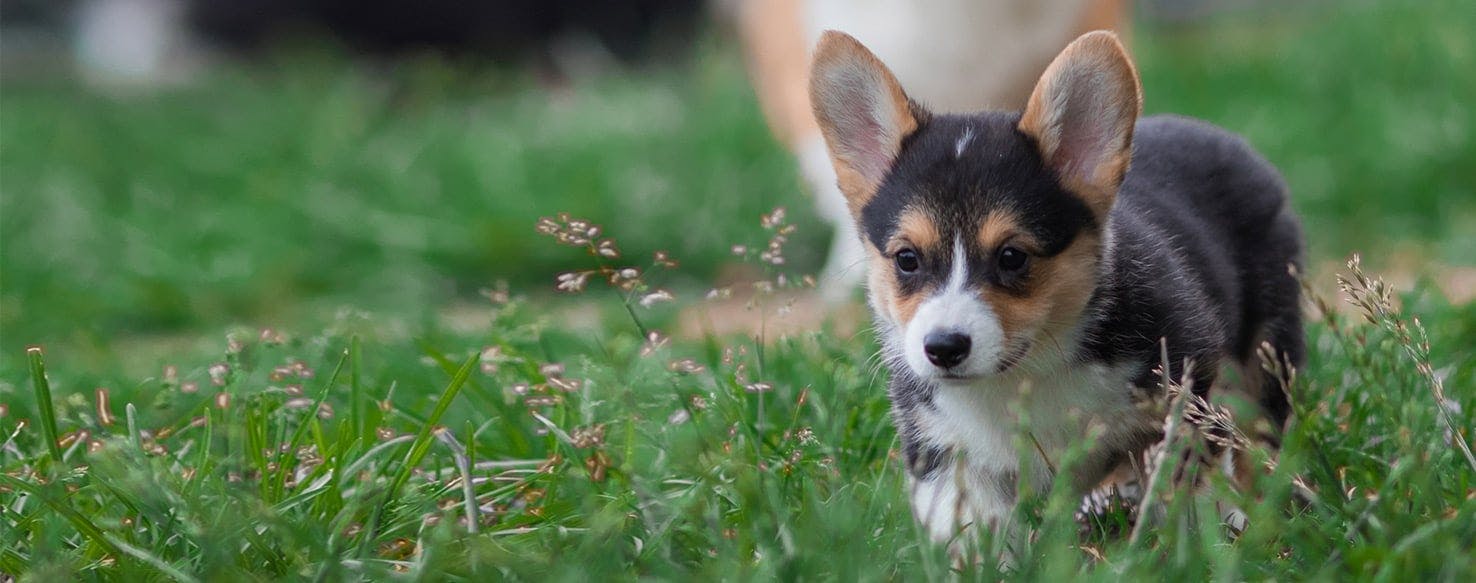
978 254
985 231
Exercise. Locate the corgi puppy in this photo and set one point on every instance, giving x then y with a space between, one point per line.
1025 269
955 55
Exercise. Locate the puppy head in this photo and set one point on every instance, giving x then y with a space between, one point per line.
985 231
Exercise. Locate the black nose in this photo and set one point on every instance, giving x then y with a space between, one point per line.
946 349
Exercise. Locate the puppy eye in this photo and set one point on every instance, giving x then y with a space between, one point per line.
907 260
1011 259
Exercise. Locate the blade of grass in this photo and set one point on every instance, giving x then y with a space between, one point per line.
255 442
43 402
12 561
156 562
489 401
1168 452
79 522
290 456
133 435
422 443
471 462
202 464
358 464
518 442
356 393
462 460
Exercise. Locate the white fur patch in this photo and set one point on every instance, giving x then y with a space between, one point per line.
963 142
935 504
957 497
983 423
955 309
982 419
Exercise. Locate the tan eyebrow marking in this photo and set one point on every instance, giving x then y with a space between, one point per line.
1001 226
916 227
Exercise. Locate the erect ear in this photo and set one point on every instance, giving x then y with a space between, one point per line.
1081 115
862 112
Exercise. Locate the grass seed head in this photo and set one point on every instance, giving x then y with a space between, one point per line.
104 410
656 297
663 259
685 366
654 341
218 373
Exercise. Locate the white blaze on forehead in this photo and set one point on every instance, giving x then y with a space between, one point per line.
959 274
955 308
963 142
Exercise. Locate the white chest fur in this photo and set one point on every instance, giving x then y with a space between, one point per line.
989 423
993 426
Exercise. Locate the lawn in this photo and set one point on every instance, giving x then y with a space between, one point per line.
298 320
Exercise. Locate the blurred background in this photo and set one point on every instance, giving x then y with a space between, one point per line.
169 167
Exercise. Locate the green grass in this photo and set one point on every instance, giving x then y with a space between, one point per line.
307 182
160 434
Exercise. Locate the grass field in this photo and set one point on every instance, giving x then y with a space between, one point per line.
296 322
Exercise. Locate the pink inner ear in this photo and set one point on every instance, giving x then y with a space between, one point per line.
1083 147
873 154
861 121
1091 128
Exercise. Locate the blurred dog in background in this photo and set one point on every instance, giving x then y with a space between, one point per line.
952 55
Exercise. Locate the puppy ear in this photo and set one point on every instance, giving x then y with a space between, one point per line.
862 112
1081 115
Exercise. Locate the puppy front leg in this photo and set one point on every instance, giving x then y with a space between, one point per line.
955 501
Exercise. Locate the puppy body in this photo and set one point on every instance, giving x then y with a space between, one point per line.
1180 262
1027 268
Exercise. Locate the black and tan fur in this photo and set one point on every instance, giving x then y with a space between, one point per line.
1024 268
